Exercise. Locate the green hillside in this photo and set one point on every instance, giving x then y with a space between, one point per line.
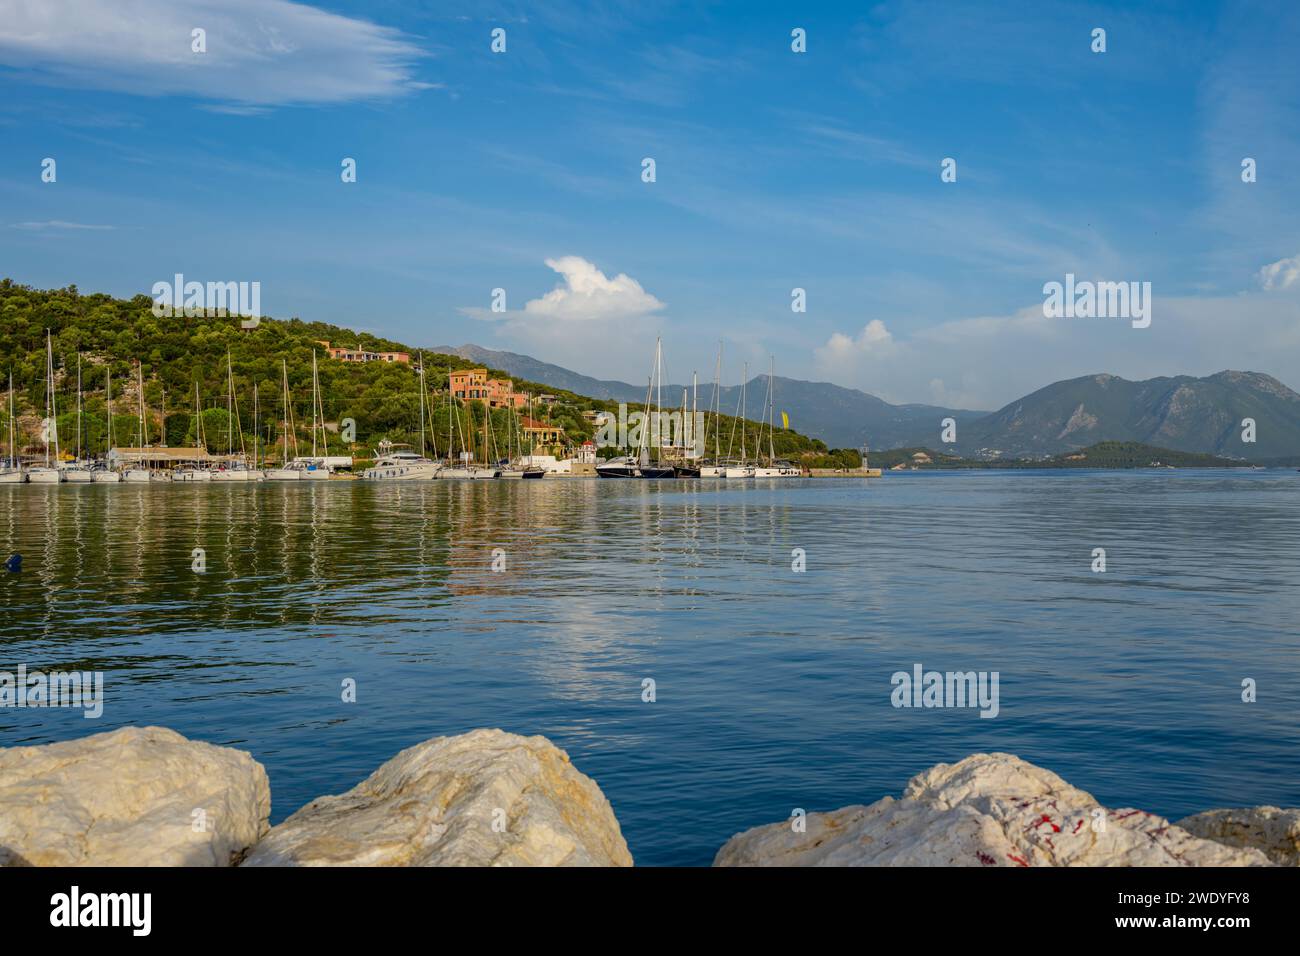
113 334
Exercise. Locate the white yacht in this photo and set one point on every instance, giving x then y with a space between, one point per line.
105 476
192 474
293 471
77 471
137 475
402 464
238 471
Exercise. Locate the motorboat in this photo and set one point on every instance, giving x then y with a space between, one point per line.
403 465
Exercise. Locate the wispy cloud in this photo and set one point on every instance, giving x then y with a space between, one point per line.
258 52
54 225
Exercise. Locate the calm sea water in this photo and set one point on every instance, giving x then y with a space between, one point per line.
773 687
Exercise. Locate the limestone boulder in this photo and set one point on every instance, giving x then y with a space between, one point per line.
138 796
986 810
1273 831
485 798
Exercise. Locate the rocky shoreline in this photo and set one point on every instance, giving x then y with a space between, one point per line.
147 796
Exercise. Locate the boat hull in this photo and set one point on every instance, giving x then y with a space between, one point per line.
44 476
106 477
78 476
283 474
236 476
136 475
12 477
656 471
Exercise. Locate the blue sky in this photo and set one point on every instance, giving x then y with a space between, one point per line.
775 170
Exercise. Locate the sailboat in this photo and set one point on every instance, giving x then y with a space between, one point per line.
517 467
196 473
48 474
236 469
12 473
316 467
689 467
79 469
139 472
290 469
774 468
741 468
106 475
486 470
713 468
397 462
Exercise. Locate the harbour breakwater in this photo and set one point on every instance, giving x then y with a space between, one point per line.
147 796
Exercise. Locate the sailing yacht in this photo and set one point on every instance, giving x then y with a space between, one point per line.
774 468
516 467
48 474
288 470
742 468
138 472
713 468
235 469
196 473
12 473
315 467
646 468
78 470
104 474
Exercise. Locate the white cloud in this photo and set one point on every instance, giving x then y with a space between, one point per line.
603 320
262 52
873 341
1279 275
587 294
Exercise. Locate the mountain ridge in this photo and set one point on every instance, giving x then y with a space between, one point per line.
1181 412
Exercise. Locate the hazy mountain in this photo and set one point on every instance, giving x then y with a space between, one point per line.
841 417
1183 412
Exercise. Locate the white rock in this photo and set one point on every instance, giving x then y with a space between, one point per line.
435 804
1273 831
987 810
127 798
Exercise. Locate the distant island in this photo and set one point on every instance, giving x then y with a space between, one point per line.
1105 454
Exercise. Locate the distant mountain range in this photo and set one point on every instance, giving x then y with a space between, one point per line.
841 417
1182 412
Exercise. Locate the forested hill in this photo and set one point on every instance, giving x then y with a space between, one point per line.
176 353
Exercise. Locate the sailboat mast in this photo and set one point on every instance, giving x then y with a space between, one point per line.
139 371
744 413
78 406
717 406
257 432
51 407
695 404
420 380
108 393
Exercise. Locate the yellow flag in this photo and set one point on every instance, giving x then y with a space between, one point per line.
785 420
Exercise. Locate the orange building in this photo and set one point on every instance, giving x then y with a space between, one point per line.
474 385
360 355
